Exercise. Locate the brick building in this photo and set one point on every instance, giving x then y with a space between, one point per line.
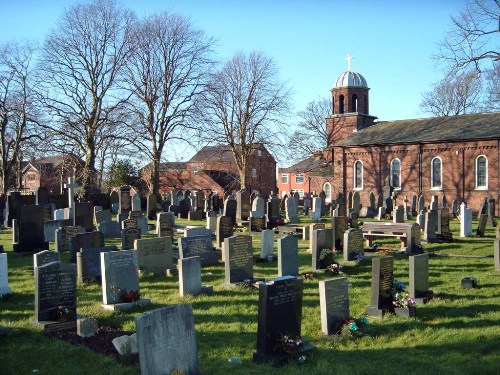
456 157
213 168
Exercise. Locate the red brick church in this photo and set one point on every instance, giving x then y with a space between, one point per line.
457 157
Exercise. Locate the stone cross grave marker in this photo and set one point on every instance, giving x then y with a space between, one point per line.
71 186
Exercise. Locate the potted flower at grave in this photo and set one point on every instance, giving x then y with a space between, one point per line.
65 314
403 304
353 328
287 343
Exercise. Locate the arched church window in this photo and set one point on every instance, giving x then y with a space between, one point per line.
396 174
354 103
341 104
481 172
327 188
358 175
436 173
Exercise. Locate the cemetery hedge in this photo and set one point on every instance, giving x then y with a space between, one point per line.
457 332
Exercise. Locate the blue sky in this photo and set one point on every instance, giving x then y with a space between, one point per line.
391 41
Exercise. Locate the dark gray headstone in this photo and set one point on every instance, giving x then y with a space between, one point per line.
104 215
31 230
84 214
195 215
85 241
224 229
88 263
63 237
238 255
200 246
256 224
322 239
230 207
124 200
419 276
166 340
353 243
130 233
119 275
381 289
242 205
151 206
44 257
481 226
110 229
288 256
339 226
165 224
334 304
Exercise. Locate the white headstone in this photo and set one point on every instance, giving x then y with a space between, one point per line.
465 221
316 213
136 202
267 243
4 279
71 186
59 214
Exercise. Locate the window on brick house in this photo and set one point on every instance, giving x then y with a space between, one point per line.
436 173
358 175
299 178
327 188
254 172
396 174
481 172
284 178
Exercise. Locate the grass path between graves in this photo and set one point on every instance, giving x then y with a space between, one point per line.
458 332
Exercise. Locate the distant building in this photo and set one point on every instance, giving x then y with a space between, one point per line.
454 157
214 168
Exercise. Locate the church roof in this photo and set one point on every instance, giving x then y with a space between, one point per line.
350 79
434 129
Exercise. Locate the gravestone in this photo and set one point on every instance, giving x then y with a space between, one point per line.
154 255
114 201
398 215
110 229
59 214
353 243
31 230
242 206
184 208
130 233
136 202
430 225
189 269
165 222
380 200
340 224
84 240
4 276
341 209
381 213
224 229
63 237
465 221
387 191
491 213
195 215
381 286
119 276
322 196
50 227
421 203
273 208
230 207
444 224
44 257
481 225
83 215
372 208
256 224
308 231
124 200
288 256
55 296
166 341
238 256
421 220
291 210
454 208
334 304
258 207
413 208
200 246
280 313
307 203
496 255
151 206
88 263
267 244
41 196
419 278
211 221
101 216
413 238
196 231
321 239
356 207
316 209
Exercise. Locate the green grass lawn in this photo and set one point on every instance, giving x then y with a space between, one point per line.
458 332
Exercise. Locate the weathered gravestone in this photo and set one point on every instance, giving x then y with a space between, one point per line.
197 231
130 233
63 237
195 215
184 208
55 296
120 280
151 206
381 288
291 210
200 246
339 226
280 313
398 215
491 213
353 244
4 276
242 206
481 225
288 256
334 304
211 221
308 233
84 213
189 276
166 340
316 209
230 207
322 241
444 224
154 255
430 225
110 229
31 230
50 227
238 256
465 221
165 222
44 257
256 224
88 263
419 278
85 241
267 245
101 216
258 207
224 229
136 202
124 200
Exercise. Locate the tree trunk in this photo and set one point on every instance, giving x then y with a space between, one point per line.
155 173
89 170
243 176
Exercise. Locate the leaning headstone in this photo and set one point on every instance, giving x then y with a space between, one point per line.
88 263
381 300
4 276
267 245
55 296
322 239
280 313
31 230
200 246
44 257
238 265
124 200
288 256
465 221
353 243
63 237
334 304
419 278
166 340
481 225
224 229
189 276
154 255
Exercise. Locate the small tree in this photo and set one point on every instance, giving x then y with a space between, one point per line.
122 172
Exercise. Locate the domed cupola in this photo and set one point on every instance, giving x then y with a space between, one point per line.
350 79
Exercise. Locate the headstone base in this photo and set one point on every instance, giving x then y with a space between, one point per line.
28 250
126 306
469 282
207 289
53 326
280 359
248 282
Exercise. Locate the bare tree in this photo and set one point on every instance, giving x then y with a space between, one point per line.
454 95
81 62
18 116
312 133
243 105
473 37
166 72
493 88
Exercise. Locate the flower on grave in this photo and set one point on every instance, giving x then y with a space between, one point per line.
398 286
358 257
402 299
287 343
353 328
308 276
131 296
335 268
64 313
